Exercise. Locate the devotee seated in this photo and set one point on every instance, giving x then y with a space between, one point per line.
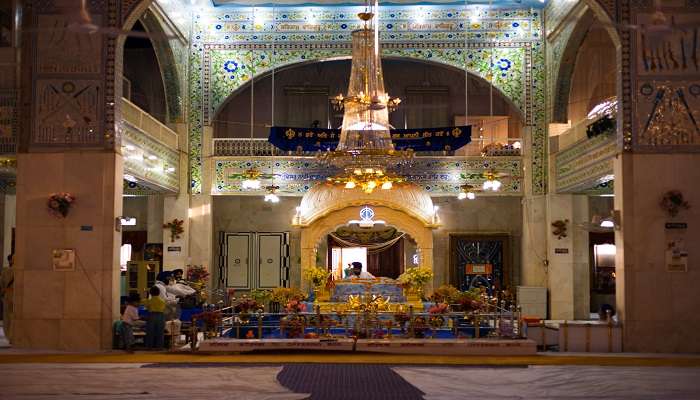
358 273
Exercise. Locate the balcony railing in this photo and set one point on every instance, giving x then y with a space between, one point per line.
240 147
149 125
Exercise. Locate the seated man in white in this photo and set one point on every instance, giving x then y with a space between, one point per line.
358 273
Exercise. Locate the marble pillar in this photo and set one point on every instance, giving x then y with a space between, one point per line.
568 278
67 310
658 307
9 222
534 226
154 215
176 253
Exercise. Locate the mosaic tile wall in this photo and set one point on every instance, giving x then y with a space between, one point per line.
231 45
439 176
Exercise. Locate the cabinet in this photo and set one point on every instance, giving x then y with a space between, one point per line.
140 276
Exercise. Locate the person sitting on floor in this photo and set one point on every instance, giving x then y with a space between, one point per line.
130 320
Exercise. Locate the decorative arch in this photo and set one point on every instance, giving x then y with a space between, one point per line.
571 39
499 91
168 66
313 233
133 11
229 70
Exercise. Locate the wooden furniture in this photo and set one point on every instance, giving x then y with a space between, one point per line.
140 276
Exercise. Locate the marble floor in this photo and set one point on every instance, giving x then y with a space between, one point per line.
211 381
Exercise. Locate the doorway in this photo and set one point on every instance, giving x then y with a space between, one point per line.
479 261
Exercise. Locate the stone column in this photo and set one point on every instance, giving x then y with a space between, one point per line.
569 287
9 218
154 215
176 254
68 144
200 217
657 301
534 241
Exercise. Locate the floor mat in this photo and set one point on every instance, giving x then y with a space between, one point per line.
347 382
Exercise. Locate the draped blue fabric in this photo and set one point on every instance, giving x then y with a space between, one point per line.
319 139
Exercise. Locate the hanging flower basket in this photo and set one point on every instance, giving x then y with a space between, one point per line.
176 228
673 202
60 203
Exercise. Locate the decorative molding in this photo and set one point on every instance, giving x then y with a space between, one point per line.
438 176
586 164
152 172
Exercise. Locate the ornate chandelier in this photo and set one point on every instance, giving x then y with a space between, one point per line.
365 148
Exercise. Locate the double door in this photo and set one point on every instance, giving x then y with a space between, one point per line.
254 260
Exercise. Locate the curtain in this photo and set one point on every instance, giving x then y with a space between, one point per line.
385 260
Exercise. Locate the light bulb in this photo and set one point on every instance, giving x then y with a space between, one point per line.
272 198
369 170
152 157
251 184
606 223
471 196
350 185
496 185
461 196
372 184
487 184
357 171
387 185
517 145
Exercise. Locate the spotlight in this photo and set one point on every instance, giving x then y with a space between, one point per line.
272 198
251 184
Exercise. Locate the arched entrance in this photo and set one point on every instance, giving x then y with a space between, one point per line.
326 207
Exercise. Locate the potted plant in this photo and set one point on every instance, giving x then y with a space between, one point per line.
317 277
414 279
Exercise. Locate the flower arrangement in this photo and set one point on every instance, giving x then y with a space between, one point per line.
317 276
446 294
197 273
246 305
673 202
60 203
210 319
470 300
197 277
440 308
295 306
283 295
176 228
416 277
262 296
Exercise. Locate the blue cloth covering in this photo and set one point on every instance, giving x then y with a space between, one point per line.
320 139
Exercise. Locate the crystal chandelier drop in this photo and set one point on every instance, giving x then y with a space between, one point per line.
365 149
